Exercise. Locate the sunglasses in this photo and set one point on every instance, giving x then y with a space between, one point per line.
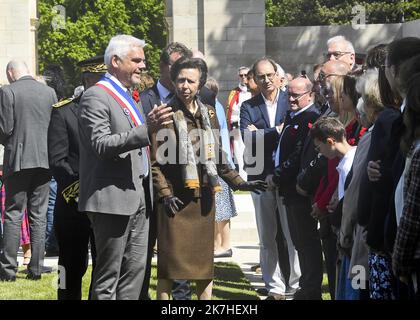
297 96
242 75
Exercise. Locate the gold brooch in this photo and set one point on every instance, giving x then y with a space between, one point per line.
211 113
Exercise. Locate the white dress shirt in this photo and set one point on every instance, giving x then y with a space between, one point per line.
272 108
343 169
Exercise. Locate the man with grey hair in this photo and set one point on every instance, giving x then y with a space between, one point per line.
339 48
115 178
280 81
25 111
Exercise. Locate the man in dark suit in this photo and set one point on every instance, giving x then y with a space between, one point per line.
72 228
115 181
159 94
24 117
303 228
261 120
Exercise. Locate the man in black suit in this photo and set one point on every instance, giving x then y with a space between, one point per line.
25 112
303 228
158 94
72 228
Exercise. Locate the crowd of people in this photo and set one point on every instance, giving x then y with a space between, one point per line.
331 163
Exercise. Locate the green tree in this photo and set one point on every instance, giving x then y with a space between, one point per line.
89 24
326 12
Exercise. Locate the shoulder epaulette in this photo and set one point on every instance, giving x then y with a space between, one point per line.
63 102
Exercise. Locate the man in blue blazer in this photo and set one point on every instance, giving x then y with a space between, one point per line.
261 121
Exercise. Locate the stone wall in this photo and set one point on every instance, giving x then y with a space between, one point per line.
17 34
298 48
411 29
231 33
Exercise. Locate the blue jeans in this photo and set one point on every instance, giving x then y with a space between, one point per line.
345 291
50 240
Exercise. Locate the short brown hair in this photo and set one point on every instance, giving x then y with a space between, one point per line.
328 127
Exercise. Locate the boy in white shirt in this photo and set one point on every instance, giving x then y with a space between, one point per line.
329 137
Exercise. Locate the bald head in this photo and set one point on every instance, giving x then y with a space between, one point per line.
301 83
336 67
16 69
300 93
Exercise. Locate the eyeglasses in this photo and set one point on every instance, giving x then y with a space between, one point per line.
336 54
262 77
242 75
297 96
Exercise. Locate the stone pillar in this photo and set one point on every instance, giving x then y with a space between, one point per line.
230 33
18 20
234 35
182 20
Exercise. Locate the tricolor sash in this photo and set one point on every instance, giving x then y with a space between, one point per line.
129 108
123 98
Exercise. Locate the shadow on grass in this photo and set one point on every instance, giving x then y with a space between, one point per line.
229 283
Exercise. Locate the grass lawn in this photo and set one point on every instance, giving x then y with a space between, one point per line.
242 192
229 284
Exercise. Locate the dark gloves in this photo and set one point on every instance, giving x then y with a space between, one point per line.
254 186
172 205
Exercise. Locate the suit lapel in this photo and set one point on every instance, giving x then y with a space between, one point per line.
156 95
263 108
73 108
125 112
140 108
280 112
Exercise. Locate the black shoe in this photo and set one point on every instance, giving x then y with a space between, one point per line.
305 295
262 291
31 276
224 254
7 279
51 253
299 295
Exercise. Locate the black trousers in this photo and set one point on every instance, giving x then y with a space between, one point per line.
73 233
329 247
305 237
